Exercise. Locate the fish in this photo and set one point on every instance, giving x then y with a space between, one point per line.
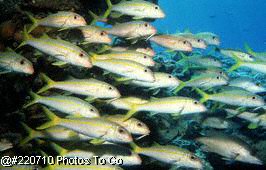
62 19
69 105
229 148
209 70
65 52
148 51
195 42
205 81
126 68
133 125
170 154
126 103
172 42
93 34
209 38
175 106
5 145
88 87
233 96
55 133
162 80
248 84
98 128
10 61
138 9
238 54
127 55
132 30
259 56
255 119
215 122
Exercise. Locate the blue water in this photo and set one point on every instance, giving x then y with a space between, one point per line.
235 21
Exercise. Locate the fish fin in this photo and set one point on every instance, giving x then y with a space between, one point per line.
26 36
49 83
248 49
97 141
94 17
60 150
116 14
63 29
130 113
253 126
55 120
35 97
153 113
123 79
59 63
138 18
178 113
33 20
180 87
187 30
154 98
204 96
135 147
236 65
31 134
156 91
90 99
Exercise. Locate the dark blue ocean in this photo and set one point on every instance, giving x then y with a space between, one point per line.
235 21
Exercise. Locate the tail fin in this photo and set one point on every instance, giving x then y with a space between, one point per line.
35 97
60 150
135 147
204 95
178 88
31 134
109 9
249 50
33 20
236 65
49 83
130 113
55 120
26 36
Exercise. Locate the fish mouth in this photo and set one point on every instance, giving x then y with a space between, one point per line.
30 71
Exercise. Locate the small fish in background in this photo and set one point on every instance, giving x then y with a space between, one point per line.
198 70
172 42
233 96
248 84
133 125
215 122
195 42
62 19
10 61
91 35
230 148
98 128
205 81
132 30
91 88
66 104
5 145
138 9
209 38
127 55
62 50
170 154
242 56
126 68
259 56
255 119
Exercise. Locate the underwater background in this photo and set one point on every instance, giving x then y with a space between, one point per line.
235 22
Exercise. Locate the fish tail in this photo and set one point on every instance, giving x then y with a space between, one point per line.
135 147
109 3
49 83
60 150
130 113
204 96
109 9
55 120
25 36
33 20
248 49
178 88
31 134
35 98
236 65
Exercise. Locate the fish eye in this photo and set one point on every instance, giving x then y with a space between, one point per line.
192 157
145 56
146 24
199 40
221 72
103 33
218 77
169 76
254 97
110 88
92 110
184 42
196 102
139 124
121 131
81 54
75 17
146 70
214 37
156 7
258 84
22 62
